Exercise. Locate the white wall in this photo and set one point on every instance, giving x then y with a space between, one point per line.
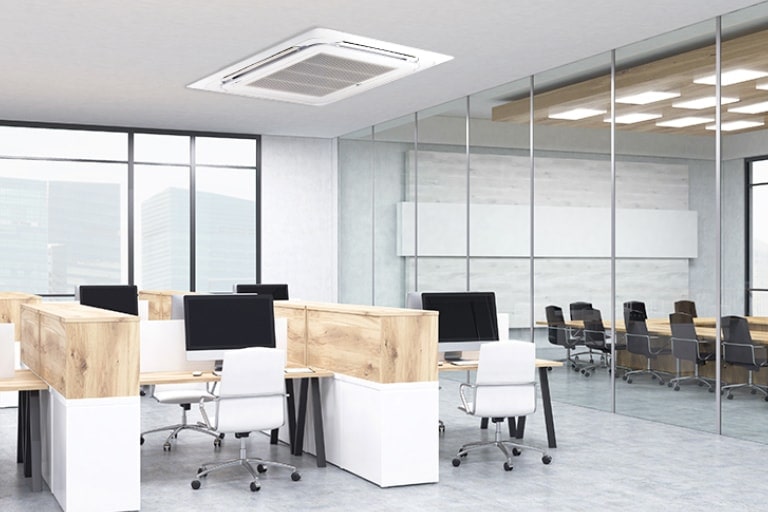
299 216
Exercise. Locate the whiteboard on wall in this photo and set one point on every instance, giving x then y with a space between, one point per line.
502 230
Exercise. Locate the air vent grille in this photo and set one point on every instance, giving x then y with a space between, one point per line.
319 67
321 75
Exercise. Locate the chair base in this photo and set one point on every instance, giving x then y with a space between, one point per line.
655 374
247 463
701 381
175 429
501 444
753 388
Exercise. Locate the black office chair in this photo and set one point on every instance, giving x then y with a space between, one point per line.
639 341
595 339
739 350
577 310
686 346
686 306
561 335
636 308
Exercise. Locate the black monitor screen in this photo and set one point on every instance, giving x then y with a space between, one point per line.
216 323
122 298
277 291
464 316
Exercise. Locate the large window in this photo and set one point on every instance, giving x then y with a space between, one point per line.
69 197
758 240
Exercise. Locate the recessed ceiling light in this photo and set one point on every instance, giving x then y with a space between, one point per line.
647 97
577 113
682 122
635 117
319 67
755 108
731 126
705 102
734 76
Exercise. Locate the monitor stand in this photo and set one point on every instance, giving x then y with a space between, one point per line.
453 355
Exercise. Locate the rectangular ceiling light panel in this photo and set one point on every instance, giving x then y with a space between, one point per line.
319 67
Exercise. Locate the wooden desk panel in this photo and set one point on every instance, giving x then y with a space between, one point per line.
10 308
186 377
23 380
159 302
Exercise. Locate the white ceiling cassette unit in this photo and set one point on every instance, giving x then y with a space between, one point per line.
319 67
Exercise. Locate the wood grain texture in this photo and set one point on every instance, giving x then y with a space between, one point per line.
82 352
296 314
159 302
10 308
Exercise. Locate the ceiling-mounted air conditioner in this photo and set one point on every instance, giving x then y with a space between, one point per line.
319 67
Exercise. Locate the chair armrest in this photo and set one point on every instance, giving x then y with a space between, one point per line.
464 402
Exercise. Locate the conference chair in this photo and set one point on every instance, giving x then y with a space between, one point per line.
183 395
687 347
251 398
576 310
686 306
561 335
739 350
595 338
635 308
505 386
639 341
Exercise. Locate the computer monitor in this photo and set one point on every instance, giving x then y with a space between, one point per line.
466 319
214 324
177 307
277 291
413 300
122 298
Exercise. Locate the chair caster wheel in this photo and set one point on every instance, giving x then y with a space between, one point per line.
701 384
729 397
677 388
456 462
629 381
546 459
669 384
195 484
200 470
752 391
661 382
507 466
141 440
166 447
261 468
217 443
587 374
516 452
255 487
295 476
624 377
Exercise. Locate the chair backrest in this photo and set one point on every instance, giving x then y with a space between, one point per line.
556 331
634 310
505 385
577 309
685 342
594 330
252 390
737 341
638 340
686 306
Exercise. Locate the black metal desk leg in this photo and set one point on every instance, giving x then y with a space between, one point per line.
297 448
34 440
547 402
520 432
483 423
317 412
21 427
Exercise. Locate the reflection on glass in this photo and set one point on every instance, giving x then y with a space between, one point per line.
222 151
156 148
64 223
225 228
161 227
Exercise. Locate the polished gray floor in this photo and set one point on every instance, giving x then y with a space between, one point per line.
603 461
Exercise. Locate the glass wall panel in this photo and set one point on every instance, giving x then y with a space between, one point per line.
57 143
161 227
62 224
500 204
393 150
666 226
744 137
438 177
225 228
356 193
158 148
224 151
572 224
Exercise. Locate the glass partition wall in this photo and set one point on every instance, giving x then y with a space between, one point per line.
630 182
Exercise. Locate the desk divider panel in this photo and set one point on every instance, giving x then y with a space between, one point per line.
160 302
10 308
81 351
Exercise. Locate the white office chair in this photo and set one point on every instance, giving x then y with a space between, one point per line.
251 398
505 386
183 395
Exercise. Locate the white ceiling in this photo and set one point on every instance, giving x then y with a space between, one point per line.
126 63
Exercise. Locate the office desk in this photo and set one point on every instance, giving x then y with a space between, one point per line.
296 418
28 449
543 365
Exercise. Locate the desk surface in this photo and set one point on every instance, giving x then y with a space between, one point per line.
23 380
448 366
186 377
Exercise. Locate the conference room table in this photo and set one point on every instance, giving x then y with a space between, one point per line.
296 418
28 444
543 365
